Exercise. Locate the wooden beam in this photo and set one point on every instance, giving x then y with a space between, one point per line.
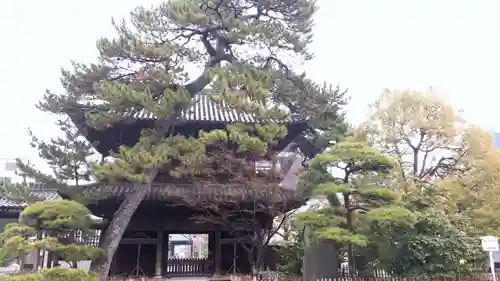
235 240
139 241
218 252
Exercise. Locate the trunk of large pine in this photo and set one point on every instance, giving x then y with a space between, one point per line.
116 228
37 251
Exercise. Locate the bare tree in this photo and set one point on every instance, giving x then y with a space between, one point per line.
252 223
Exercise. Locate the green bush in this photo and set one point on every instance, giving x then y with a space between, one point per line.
22 277
54 274
65 274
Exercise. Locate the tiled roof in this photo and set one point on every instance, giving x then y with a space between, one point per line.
45 194
204 108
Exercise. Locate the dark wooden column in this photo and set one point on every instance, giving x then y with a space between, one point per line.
159 255
217 252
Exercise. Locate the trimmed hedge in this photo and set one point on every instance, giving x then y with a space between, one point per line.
54 274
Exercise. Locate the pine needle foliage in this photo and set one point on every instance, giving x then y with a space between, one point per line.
70 158
46 225
348 175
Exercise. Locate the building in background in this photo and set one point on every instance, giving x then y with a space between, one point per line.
496 139
188 245
496 143
8 170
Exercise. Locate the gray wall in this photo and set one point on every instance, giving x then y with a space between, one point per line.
320 259
4 222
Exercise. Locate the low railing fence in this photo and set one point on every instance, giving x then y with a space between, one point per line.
188 267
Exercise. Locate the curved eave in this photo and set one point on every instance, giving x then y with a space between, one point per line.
10 212
172 195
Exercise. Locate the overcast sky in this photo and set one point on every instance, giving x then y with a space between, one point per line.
363 45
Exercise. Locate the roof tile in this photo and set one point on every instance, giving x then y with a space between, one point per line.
204 108
47 194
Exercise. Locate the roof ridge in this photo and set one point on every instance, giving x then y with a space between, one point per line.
205 92
211 91
43 189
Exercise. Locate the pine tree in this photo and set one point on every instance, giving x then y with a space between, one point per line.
70 159
348 174
238 44
46 225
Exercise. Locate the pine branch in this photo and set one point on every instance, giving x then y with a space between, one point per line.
19 193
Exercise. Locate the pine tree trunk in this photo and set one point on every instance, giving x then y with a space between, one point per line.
37 251
114 232
350 251
22 261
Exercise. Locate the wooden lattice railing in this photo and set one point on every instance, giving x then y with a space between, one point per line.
188 267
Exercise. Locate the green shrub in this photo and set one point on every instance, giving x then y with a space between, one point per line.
22 277
65 274
54 274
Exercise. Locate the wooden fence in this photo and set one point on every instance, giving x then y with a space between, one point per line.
188 267
475 277
380 275
199 270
